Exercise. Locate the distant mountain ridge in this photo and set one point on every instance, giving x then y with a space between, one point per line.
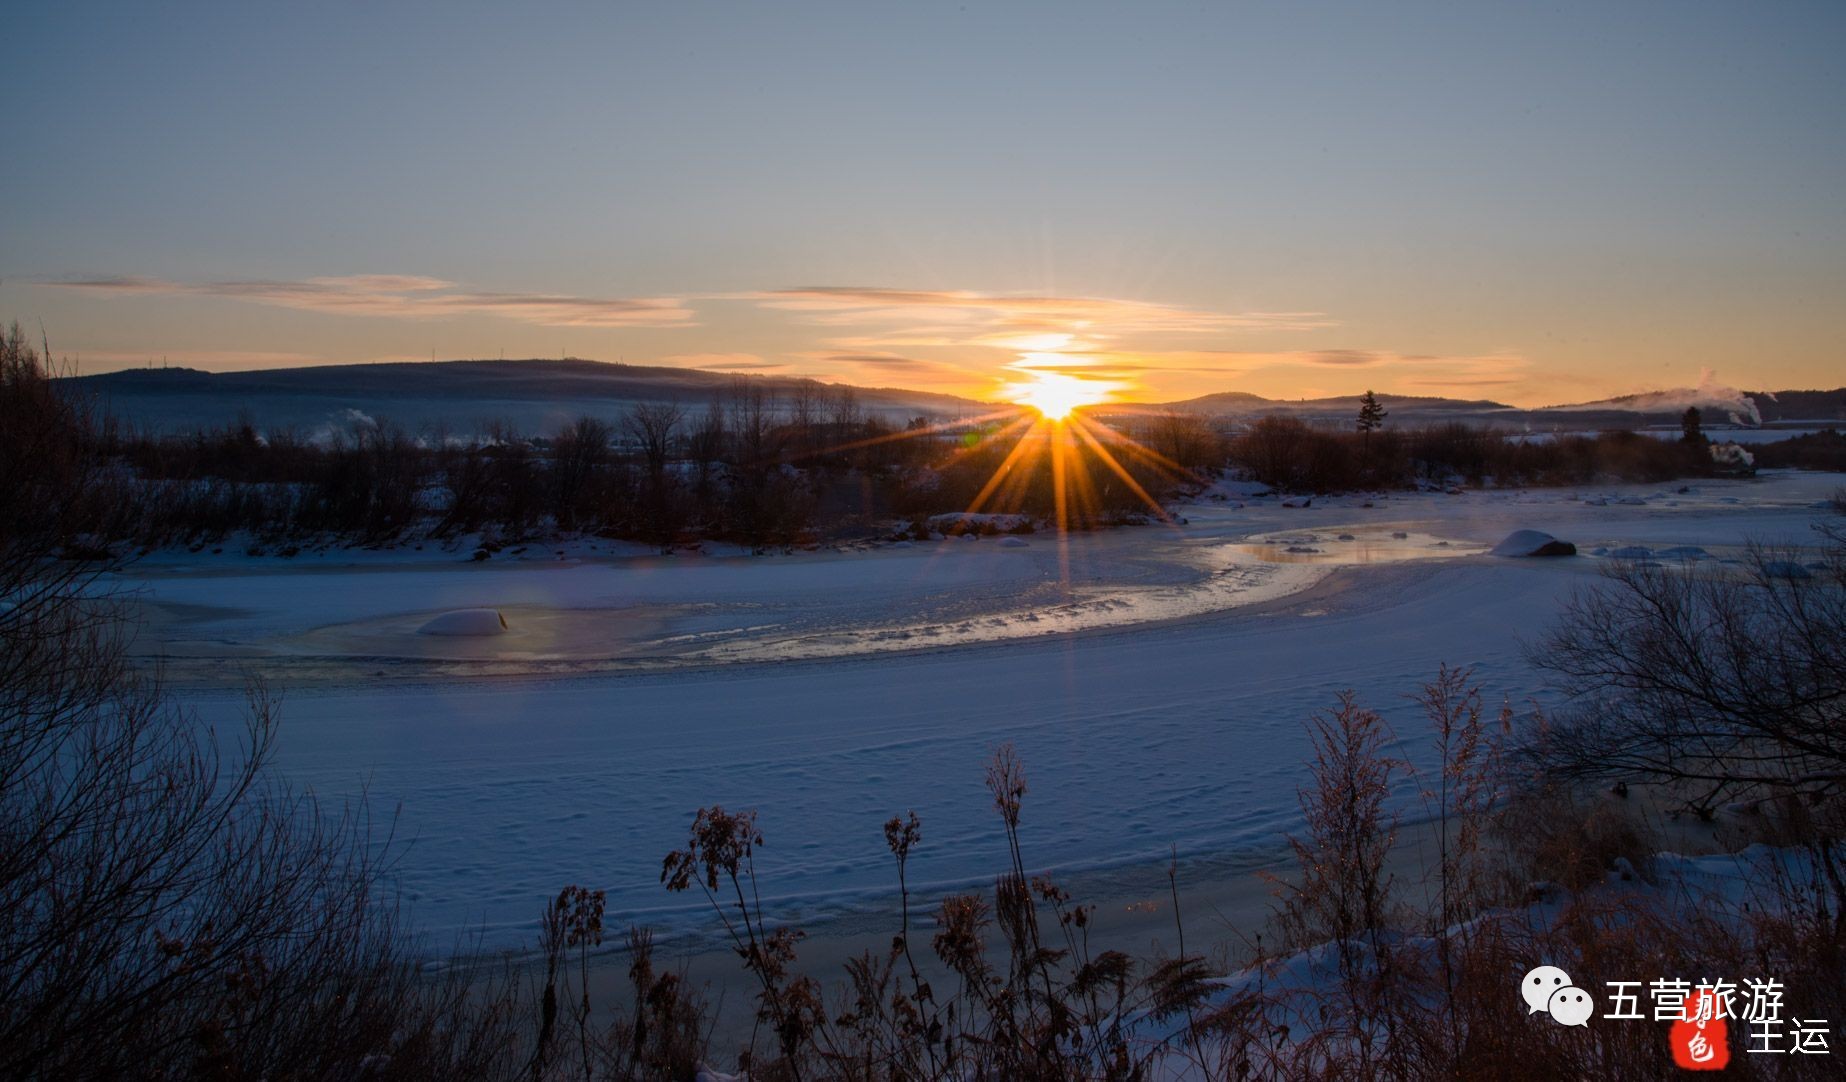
532 378
539 395
1233 401
1718 406
536 395
1801 405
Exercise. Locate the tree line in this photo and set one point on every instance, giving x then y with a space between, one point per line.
744 467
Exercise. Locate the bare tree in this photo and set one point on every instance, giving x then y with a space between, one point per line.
706 443
1722 680
577 455
466 478
652 425
846 415
752 422
804 411
1717 684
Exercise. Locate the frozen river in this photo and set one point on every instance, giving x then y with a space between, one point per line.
1154 680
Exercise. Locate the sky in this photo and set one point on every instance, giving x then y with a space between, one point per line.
1529 203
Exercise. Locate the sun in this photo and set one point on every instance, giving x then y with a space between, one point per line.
1054 395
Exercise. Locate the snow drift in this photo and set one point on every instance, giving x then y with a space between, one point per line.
466 622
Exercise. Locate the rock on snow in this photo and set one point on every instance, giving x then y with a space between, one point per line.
1533 543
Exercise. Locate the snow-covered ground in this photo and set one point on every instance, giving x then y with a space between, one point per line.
1153 679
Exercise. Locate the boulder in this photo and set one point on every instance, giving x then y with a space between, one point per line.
1533 543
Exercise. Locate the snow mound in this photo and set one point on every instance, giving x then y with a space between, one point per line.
1532 543
969 523
1632 501
1014 543
1684 552
1785 569
466 622
1631 552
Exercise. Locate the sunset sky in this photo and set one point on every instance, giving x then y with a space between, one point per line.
1535 204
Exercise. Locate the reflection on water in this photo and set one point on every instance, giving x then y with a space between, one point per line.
1223 582
1123 581
1364 546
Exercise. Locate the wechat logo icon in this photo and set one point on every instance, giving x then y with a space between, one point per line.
1548 989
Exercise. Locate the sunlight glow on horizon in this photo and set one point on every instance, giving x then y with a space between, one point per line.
1054 395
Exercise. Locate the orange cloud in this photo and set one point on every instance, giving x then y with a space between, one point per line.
723 362
1003 317
878 366
410 297
1293 373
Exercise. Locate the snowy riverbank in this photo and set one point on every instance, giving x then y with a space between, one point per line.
630 692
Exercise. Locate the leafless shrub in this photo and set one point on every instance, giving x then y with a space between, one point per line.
1288 453
1054 1009
1719 685
1443 1005
1558 837
167 908
1464 795
1187 440
663 1036
1341 893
